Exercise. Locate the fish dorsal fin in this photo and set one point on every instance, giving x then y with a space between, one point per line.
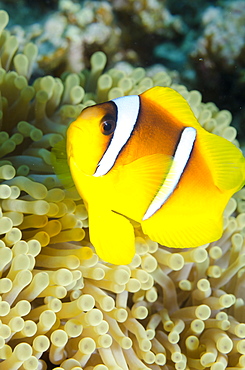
173 104
60 164
225 160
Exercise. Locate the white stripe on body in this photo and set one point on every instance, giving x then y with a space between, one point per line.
180 160
127 113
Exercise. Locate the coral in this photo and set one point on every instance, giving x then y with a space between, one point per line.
68 37
222 42
63 308
218 57
151 15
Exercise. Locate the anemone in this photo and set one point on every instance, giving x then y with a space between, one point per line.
61 307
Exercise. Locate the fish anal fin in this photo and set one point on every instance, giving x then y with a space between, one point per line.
183 231
112 236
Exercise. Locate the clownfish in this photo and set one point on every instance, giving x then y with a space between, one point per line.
146 158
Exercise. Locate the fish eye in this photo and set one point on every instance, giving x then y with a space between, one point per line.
108 126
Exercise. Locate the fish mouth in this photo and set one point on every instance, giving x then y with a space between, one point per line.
74 126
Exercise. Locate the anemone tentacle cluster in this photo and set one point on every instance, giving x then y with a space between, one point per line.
60 306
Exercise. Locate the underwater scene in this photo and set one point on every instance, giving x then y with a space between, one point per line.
122 173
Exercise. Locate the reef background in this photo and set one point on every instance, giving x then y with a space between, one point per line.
202 42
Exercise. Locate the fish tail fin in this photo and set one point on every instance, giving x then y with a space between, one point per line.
226 160
60 164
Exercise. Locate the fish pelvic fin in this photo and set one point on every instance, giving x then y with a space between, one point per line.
112 236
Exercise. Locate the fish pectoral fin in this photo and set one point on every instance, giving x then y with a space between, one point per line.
112 236
149 170
225 160
60 164
139 182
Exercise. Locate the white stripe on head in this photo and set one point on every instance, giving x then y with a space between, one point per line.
127 113
180 160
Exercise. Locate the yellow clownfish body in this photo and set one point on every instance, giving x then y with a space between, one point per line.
147 158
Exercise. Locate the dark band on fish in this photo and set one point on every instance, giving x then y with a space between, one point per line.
181 158
128 109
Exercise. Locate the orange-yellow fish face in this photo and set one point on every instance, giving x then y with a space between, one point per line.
89 136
